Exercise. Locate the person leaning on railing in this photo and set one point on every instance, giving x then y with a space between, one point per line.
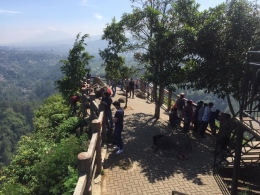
180 104
187 114
205 119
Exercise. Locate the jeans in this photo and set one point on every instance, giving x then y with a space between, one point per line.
179 113
122 86
187 121
109 117
113 90
196 125
203 127
132 92
74 109
213 127
117 136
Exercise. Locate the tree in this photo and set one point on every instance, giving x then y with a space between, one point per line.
223 39
115 67
45 162
74 68
162 40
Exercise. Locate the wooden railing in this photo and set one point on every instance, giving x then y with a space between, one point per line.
89 163
167 99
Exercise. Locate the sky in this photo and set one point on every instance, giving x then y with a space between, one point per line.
24 19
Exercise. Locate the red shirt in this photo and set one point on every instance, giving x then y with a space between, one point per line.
109 91
74 99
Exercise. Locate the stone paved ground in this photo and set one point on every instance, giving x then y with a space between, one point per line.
152 174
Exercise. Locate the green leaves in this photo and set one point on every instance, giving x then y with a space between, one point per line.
114 63
74 68
46 160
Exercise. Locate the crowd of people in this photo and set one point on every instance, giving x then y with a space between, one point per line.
114 124
130 85
201 116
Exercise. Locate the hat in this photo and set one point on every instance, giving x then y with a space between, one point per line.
116 103
182 94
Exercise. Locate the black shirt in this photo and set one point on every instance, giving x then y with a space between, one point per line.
131 84
108 101
120 117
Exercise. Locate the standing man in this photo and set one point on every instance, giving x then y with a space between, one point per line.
137 83
118 119
205 119
132 88
196 115
188 113
180 105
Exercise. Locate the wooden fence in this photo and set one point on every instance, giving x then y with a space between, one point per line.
167 99
89 163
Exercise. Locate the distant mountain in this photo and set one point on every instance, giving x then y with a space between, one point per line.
60 42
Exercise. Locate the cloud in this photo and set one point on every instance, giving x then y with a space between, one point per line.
98 16
2 11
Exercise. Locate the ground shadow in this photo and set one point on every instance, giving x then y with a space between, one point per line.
248 181
139 130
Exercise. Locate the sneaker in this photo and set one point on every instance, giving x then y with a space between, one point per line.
119 151
116 147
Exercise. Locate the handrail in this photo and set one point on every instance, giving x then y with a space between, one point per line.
89 163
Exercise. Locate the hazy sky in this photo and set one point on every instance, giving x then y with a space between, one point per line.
23 19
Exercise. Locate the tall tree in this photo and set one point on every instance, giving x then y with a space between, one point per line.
114 63
224 37
162 40
74 68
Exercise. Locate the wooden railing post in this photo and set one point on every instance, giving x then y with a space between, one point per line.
84 168
169 101
96 128
92 107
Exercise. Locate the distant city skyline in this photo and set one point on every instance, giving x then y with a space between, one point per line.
21 20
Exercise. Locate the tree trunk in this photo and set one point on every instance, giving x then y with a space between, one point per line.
158 103
155 100
126 97
230 105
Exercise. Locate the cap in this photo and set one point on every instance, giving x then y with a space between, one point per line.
116 103
182 94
